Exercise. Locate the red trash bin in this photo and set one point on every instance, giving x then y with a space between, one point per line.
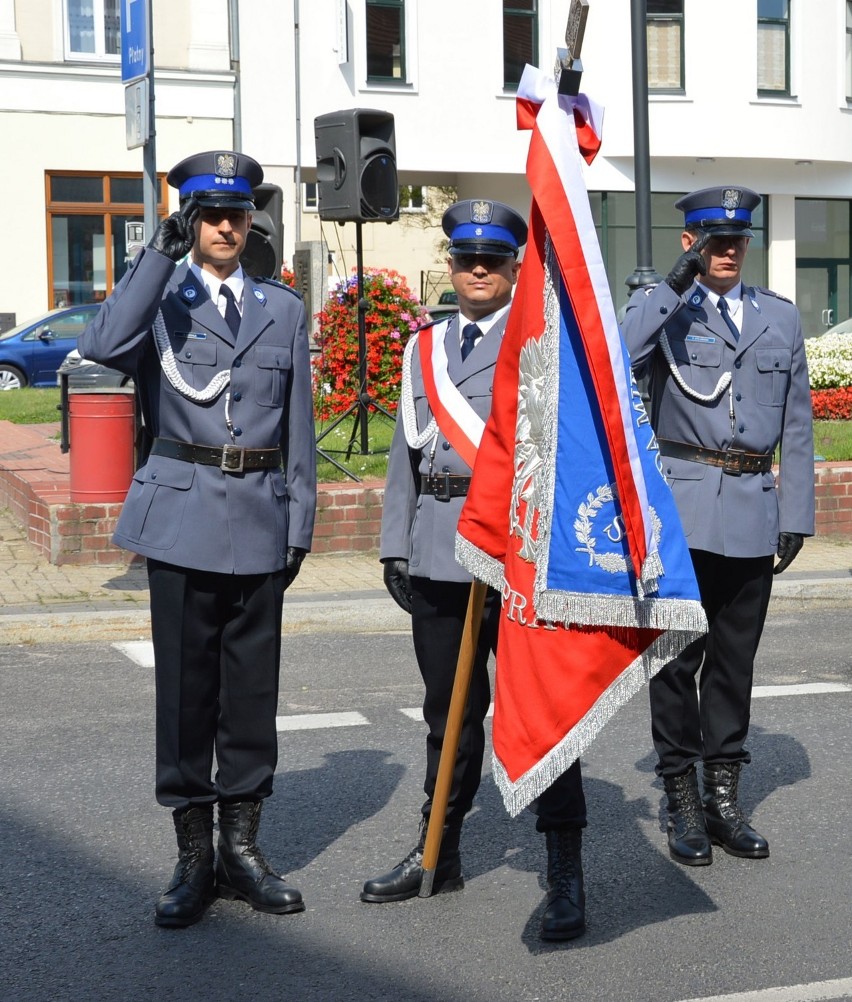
102 428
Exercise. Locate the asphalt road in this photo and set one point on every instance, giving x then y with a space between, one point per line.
85 851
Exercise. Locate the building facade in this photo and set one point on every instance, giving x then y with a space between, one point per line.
751 92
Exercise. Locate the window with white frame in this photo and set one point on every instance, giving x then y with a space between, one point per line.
93 29
773 47
385 25
665 46
412 198
520 39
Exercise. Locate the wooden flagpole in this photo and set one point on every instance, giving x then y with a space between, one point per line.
450 747
570 70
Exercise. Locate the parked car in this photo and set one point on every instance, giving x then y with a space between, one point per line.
83 374
31 353
447 305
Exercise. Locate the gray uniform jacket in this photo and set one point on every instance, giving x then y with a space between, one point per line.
421 528
769 398
197 516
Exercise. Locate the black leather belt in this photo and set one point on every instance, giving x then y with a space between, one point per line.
230 458
444 486
733 461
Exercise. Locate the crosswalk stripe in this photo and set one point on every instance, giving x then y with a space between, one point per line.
803 689
813 992
415 713
141 653
314 721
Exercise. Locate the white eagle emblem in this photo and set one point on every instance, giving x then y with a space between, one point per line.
730 201
226 165
480 212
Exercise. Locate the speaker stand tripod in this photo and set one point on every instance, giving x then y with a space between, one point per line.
359 409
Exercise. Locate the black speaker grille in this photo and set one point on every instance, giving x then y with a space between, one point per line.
379 188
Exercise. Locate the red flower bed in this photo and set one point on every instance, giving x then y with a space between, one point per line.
832 405
390 318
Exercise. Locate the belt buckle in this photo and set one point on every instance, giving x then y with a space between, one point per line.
445 496
233 459
735 469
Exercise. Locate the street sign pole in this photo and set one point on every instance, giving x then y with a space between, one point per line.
137 67
149 152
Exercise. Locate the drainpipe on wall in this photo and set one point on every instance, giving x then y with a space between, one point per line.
234 43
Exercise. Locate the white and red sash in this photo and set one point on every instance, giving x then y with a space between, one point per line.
457 420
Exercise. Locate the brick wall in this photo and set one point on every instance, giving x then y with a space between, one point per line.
34 486
349 517
833 499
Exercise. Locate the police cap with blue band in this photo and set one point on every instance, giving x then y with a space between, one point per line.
478 226
721 212
218 178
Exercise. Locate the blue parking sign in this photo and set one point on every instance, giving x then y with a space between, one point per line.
135 46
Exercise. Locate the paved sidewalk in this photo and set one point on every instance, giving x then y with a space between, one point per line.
40 602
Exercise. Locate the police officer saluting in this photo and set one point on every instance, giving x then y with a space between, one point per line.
728 386
429 471
223 510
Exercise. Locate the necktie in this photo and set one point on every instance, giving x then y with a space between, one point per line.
726 316
469 335
232 314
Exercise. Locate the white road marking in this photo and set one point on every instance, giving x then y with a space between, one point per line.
314 721
816 991
805 689
140 652
415 713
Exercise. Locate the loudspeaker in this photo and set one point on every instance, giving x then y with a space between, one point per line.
262 257
356 166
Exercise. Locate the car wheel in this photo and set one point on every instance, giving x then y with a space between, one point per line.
11 378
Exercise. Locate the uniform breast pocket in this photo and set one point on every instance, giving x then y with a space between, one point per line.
773 375
481 402
698 362
196 363
272 367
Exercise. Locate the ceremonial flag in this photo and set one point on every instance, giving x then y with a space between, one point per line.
568 514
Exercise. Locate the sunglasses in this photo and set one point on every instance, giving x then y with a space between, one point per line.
491 262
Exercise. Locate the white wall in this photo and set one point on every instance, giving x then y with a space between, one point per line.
454 125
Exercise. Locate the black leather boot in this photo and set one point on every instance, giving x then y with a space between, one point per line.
689 842
565 914
192 888
404 880
725 822
242 873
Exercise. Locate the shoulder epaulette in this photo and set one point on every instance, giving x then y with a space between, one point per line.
278 285
775 295
431 323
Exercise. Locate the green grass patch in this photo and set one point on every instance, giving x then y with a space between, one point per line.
832 439
343 444
40 406
29 406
